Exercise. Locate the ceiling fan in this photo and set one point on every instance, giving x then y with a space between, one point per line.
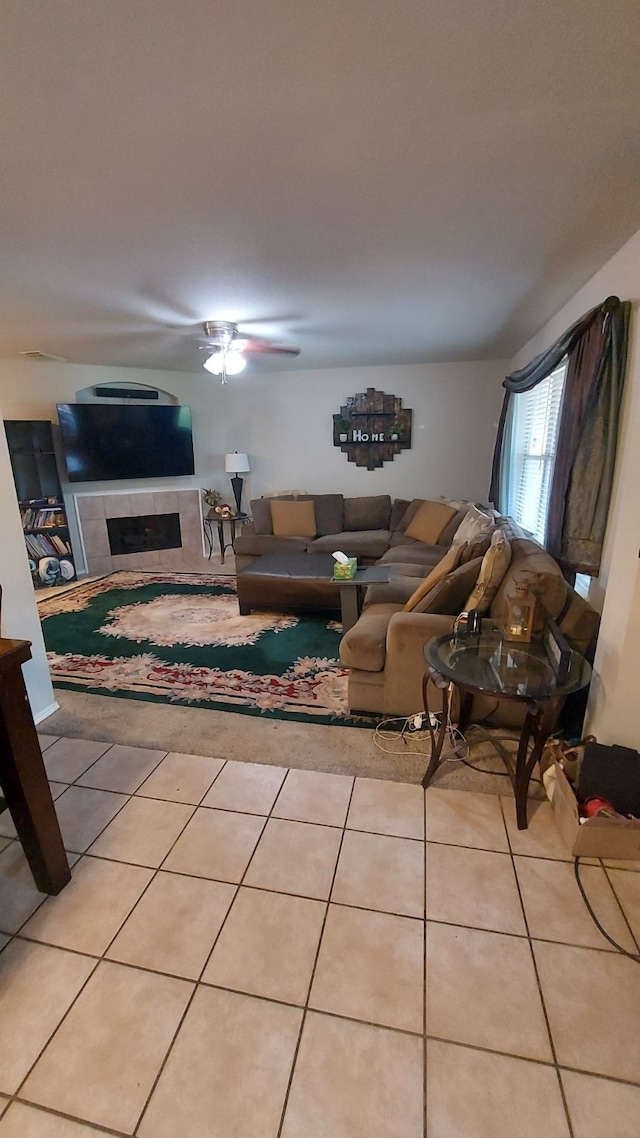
228 348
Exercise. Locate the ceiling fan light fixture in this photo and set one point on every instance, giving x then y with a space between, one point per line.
227 348
235 363
224 363
214 363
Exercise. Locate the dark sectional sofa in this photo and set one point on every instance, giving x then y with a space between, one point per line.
368 527
384 650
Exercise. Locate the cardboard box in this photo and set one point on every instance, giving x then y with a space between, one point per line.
617 838
345 572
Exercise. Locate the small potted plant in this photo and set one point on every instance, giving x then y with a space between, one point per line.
395 431
343 426
212 498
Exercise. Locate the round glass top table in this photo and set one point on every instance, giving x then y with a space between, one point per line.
506 671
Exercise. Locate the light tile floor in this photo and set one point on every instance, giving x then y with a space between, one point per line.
246 950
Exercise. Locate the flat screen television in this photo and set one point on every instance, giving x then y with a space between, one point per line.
103 441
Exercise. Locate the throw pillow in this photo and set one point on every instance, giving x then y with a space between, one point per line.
473 526
495 563
476 548
398 510
408 515
448 595
449 562
293 519
372 511
446 537
261 514
329 510
429 522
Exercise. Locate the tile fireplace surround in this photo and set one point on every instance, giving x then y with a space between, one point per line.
93 510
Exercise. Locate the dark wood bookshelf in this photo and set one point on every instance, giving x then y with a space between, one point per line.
42 508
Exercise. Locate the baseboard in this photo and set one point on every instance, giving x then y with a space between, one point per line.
55 706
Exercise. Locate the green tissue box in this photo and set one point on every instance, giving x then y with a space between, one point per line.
345 572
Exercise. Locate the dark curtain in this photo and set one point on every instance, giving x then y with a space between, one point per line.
587 437
590 480
583 368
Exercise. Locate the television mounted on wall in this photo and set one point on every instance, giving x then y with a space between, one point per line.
103 442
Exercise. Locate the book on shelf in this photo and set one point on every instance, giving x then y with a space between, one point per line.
39 545
49 517
62 547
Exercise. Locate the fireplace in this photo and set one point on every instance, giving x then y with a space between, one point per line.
144 533
150 529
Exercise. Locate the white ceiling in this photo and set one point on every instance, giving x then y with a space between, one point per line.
375 181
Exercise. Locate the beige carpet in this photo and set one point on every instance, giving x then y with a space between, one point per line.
245 738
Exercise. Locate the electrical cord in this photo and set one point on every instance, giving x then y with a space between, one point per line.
412 726
632 955
481 722
481 770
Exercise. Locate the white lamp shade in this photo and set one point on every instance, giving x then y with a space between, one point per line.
214 363
236 463
230 362
235 363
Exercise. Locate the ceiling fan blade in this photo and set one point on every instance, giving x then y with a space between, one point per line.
263 346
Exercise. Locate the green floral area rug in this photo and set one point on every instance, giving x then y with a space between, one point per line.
178 638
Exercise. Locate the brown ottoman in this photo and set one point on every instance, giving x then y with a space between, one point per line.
288 581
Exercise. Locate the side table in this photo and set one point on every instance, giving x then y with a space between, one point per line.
215 519
506 671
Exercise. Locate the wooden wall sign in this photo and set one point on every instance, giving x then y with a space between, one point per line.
372 428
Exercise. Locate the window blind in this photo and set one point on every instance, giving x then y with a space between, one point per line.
534 436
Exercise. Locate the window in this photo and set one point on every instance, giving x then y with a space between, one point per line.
529 453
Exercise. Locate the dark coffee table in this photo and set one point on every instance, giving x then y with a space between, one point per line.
304 581
518 673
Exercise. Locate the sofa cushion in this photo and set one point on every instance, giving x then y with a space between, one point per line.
260 544
261 513
446 565
414 553
447 596
408 569
398 510
396 591
408 515
429 521
369 513
493 568
361 543
364 646
329 510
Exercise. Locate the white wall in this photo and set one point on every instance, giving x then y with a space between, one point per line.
612 715
19 613
283 421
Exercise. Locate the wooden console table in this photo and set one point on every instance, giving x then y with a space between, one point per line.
23 778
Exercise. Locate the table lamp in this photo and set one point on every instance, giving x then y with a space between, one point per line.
236 464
